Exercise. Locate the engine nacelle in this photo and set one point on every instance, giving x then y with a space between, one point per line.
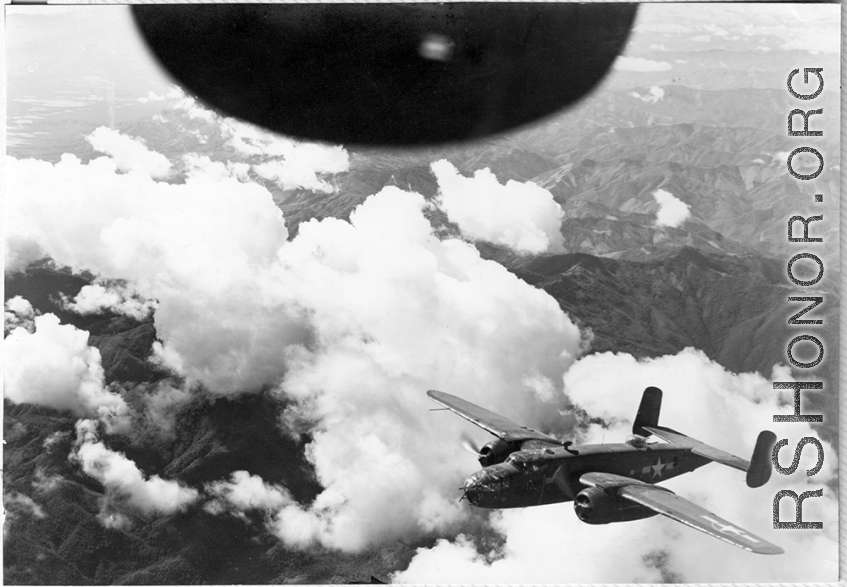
597 506
495 452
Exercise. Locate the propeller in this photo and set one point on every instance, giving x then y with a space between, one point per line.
468 443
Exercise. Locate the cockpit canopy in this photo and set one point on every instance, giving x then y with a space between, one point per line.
523 461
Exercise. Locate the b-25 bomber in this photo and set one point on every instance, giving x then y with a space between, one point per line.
607 482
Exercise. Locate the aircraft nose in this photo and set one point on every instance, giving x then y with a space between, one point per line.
474 486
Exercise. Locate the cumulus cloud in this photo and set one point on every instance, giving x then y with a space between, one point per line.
416 313
549 544
640 64
290 163
18 313
195 247
54 366
521 216
127 489
120 299
672 211
245 492
656 94
20 252
129 154
202 165
352 322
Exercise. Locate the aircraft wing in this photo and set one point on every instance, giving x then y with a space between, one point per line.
497 425
677 508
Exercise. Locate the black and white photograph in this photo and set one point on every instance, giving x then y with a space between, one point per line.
428 293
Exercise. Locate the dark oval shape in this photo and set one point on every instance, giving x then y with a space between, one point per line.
387 74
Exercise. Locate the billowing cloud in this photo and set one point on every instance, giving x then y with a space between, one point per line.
129 154
416 313
291 163
672 211
352 322
96 298
54 366
656 94
521 216
550 545
159 237
245 492
128 490
18 313
640 64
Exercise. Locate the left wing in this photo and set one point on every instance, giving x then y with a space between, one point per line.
677 508
494 423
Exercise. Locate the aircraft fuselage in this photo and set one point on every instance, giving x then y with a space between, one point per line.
541 474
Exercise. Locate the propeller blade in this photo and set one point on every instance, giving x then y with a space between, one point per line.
468 443
560 477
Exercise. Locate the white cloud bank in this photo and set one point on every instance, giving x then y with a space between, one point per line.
129 154
245 492
54 366
96 298
656 94
18 313
521 216
290 163
127 488
353 321
672 211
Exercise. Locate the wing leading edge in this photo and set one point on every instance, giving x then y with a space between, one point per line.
677 508
496 424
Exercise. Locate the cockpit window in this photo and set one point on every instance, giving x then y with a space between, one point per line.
522 463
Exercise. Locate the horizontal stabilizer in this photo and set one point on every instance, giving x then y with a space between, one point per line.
700 448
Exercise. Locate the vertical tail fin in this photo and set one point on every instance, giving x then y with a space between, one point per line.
760 464
648 411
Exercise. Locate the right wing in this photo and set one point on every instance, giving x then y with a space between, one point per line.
678 508
497 425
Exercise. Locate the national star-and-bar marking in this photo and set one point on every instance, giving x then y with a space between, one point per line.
728 529
657 468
